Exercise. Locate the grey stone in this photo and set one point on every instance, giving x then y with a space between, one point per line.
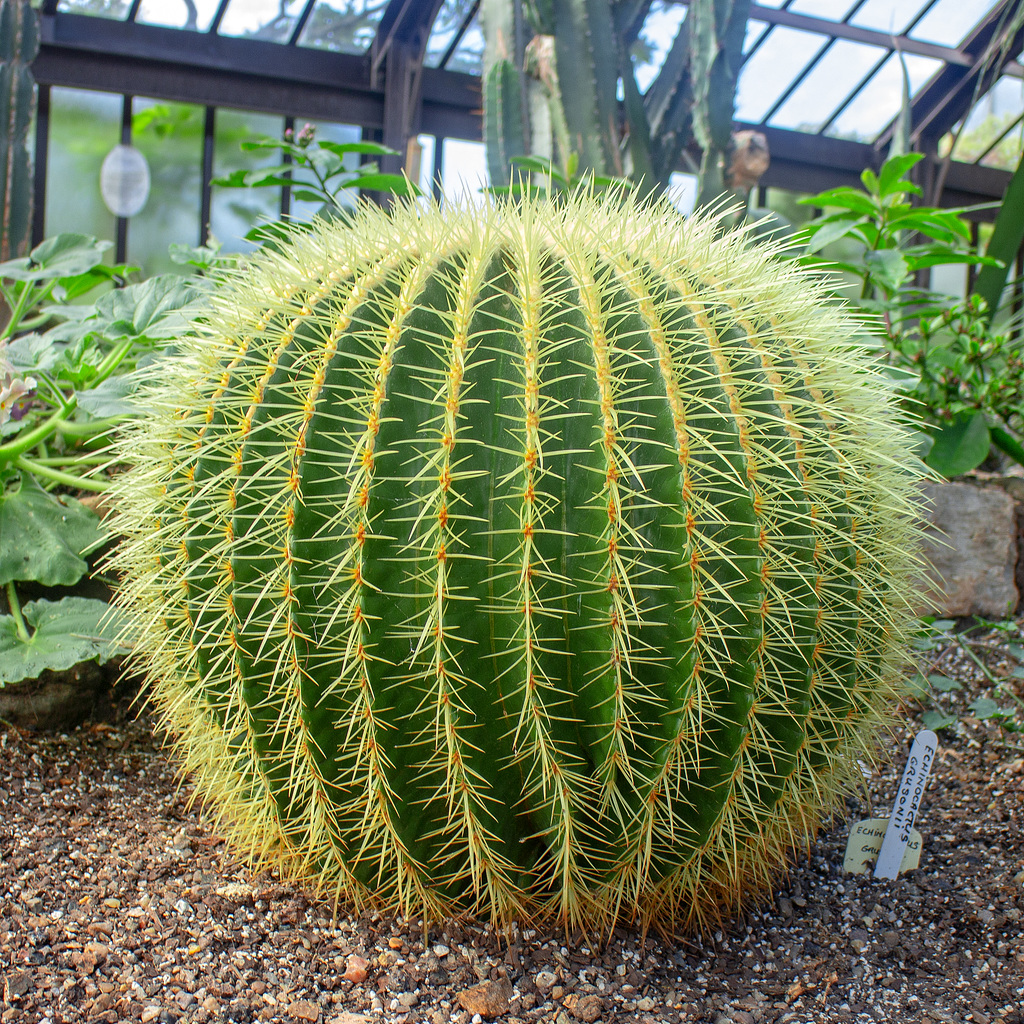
972 550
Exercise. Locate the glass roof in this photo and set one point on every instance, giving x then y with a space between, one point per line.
820 66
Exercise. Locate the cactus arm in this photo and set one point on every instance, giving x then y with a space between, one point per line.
716 55
19 44
503 120
667 104
585 49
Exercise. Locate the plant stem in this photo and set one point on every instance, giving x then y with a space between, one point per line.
19 619
68 479
90 428
76 460
28 441
113 360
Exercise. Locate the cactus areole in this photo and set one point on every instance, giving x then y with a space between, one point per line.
531 562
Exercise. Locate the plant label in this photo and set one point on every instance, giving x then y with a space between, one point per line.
908 800
866 840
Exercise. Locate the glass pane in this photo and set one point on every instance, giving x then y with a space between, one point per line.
84 127
836 76
426 176
1000 107
949 21
831 10
262 19
891 16
236 211
170 137
306 209
755 30
657 36
116 9
469 54
195 15
447 23
879 101
463 170
345 26
769 71
682 192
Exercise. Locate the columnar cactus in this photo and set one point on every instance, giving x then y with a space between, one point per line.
526 561
19 44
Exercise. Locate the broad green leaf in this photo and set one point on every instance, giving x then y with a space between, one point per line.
32 352
70 288
962 446
943 683
937 720
985 707
917 686
44 536
324 162
828 232
890 177
888 267
844 198
62 255
110 399
365 148
157 309
64 633
394 183
1005 243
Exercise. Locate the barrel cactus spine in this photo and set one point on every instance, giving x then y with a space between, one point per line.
533 561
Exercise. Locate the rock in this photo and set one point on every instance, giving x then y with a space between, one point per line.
584 1008
303 1009
545 980
972 548
16 984
355 969
150 1013
349 1018
489 998
407 1000
646 1004
211 1006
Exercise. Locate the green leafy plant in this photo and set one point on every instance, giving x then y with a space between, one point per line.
319 171
936 692
64 381
960 378
534 560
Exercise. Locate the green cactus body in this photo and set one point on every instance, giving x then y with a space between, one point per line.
19 44
530 561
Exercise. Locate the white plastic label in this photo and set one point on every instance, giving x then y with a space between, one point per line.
908 800
866 840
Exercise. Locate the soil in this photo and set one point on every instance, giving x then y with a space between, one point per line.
119 902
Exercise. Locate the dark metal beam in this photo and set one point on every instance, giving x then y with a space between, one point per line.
952 92
95 53
42 146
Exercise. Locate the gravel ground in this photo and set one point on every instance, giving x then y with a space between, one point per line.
119 903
